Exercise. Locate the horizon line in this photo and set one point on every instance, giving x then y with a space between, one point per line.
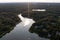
29 2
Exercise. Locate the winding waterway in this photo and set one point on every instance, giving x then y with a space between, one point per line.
21 32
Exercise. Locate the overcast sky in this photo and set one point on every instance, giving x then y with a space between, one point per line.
51 1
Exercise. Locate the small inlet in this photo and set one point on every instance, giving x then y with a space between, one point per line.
38 9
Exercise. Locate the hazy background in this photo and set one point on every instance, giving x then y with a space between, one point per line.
49 1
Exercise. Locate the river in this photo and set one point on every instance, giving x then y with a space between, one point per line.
21 32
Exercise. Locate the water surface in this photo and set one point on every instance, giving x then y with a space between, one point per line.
21 32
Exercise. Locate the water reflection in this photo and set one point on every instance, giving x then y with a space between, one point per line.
39 10
26 21
20 32
44 28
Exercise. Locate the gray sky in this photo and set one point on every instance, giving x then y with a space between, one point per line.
53 1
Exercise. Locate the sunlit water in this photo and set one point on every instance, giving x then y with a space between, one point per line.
26 21
38 9
20 32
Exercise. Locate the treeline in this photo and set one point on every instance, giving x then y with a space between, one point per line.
8 21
